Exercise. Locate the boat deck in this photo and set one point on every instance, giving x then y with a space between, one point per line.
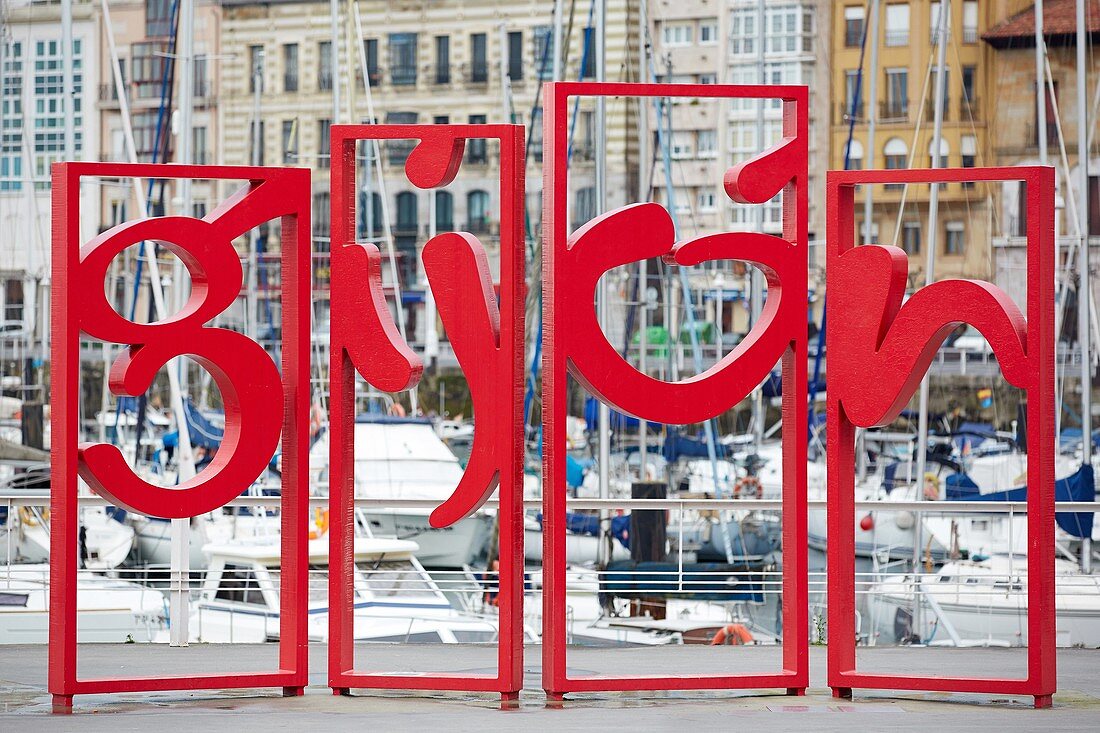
25 705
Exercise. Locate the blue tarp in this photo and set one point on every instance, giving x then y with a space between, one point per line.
204 434
701 581
1081 486
619 421
677 445
589 524
575 470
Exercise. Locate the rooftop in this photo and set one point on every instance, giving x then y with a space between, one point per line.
1059 25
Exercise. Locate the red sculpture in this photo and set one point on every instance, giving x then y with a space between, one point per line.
880 349
575 344
247 377
488 342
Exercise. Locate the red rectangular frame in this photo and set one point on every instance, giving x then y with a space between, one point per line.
1040 681
292 675
508 680
794 677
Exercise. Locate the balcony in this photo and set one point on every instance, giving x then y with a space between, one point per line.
897 38
970 34
844 113
969 109
893 111
930 111
479 226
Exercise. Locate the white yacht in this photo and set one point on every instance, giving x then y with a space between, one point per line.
395 598
108 610
969 603
403 458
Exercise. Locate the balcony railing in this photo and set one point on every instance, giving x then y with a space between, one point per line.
324 81
970 34
478 226
844 113
930 111
969 108
893 111
897 38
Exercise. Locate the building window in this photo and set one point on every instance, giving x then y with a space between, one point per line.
370 46
584 206
896 155
441 120
290 67
969 149
407 218
515 55
147 65
708 78
1094 205
48 114
536 134
588 70
11 116
708 31
158 18
854 156
369 220
897 24
477 149
321 215
403 59
256 69
198 146
584 144
444 211
256 142
544 51
934 22
897 94
970 21
682 145
677 34
442 59
953 243
199 78
945 152
707 201
479 59
910 237
324 128
853 26
324 66
853 107
397 151
477 212
706 145
743 32
290 142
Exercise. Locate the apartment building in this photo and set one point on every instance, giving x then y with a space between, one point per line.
735 42
903 110
32 137
427 62
1013 92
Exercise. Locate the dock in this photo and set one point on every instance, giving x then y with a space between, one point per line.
25 703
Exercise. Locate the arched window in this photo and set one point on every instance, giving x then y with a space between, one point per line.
896 153
406 213
444 211
477 211
855 155
945 149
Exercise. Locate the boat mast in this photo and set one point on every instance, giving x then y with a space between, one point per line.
1084 288
643 195
929 275
872 95
756 281
601 206
181 528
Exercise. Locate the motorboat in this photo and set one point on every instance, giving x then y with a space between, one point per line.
403 458
108 610
983 602
396 600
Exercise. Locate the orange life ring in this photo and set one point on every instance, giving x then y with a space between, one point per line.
320 519
735 634
748 487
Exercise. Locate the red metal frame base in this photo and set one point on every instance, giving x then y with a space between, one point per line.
246 376
576 345
488 341
876 363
